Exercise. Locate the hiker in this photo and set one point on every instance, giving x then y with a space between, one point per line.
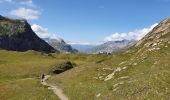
42 77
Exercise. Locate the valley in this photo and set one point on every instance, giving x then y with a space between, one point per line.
138 72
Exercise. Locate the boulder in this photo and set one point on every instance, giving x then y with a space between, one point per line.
63 67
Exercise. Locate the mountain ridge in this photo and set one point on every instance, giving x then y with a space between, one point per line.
17 35
107 47
61 45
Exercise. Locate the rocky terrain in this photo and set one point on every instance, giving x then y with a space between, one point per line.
17 35
62 67
61 45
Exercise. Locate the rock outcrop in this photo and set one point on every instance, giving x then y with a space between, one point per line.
62 67
158 38
17 35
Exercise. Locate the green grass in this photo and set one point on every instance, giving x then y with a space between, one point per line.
20 71
25 89
146 77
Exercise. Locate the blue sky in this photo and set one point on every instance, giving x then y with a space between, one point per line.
88 21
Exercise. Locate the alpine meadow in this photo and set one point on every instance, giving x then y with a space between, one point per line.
76 57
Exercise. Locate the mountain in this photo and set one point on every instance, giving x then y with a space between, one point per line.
108 47
138 73
158 37
141 72
147 67
154 47
61 45
113 46
17 35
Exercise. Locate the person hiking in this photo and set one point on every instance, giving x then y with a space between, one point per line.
42 77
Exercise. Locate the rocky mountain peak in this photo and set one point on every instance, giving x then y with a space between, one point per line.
17 35
13 26
61 45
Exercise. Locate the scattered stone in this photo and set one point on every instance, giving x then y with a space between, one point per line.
100 77
115 85
122 63
115 89
98 95
134 64
108 69
110 76
154 44
152 49
157 48
124 77
124 68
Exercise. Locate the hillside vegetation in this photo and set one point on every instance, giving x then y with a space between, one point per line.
141 72
20 72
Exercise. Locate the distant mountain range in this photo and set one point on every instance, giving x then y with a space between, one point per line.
61 45
17 35
83 48
108 47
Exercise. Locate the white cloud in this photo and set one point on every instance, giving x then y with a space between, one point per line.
26 13
79 43
26 8
134 35
28 3
16 1
84 43
5 1
43 32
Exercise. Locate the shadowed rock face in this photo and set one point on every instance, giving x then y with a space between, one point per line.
17 35
63 67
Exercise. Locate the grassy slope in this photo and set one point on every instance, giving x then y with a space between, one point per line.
83 81
146 76
20 71
19 74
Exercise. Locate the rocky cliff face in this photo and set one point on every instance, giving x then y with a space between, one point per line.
61 45
17 35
